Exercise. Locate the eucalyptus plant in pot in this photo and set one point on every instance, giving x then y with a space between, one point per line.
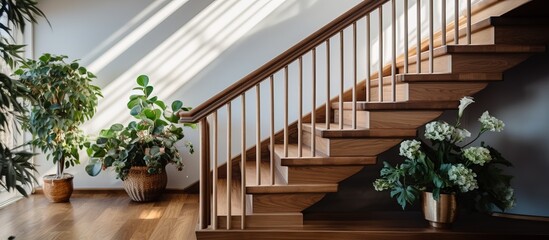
64 100
139 151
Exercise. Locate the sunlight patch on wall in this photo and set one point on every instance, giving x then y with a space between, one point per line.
135 35
181 56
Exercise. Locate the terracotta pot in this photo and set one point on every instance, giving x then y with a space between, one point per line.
144 187
441 213
58 189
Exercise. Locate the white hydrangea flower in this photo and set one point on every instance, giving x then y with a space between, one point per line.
439 131
477 155
463 103
491 123
410 149
460 134
463 177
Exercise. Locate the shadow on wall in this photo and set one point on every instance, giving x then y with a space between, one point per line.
522 102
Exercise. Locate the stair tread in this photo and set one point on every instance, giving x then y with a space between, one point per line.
349 132
294 188
407 105
320 159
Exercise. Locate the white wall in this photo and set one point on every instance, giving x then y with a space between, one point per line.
119 40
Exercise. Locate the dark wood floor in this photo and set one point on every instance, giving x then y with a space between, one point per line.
101 216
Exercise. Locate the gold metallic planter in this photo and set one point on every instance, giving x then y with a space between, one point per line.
441 213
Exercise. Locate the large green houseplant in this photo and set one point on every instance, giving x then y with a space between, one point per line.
16 170
64 99
141 149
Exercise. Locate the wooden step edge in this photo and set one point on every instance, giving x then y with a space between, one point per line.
439 78
448 77
329 161
295 188
392 106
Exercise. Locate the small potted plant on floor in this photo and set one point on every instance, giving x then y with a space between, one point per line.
448 171
139 151
64 100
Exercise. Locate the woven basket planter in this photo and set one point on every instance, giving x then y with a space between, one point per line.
144 187
58 189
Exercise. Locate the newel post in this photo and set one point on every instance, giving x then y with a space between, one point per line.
205 185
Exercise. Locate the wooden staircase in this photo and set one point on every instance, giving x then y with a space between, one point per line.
314 156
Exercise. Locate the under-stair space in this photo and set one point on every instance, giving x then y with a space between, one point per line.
296 165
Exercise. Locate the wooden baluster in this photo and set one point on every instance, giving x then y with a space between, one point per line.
443 23
406 36
272 135
456 22
431 37
229 165
380 71
341 80
243 163
418 36
300 114
313 111
258 134
214 172
328 106
204 208
393 50
355 76
468 21
368 57
286 111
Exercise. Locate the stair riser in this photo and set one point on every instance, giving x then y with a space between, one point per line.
320 174
470 62
342 147
427 91
389 119
284 202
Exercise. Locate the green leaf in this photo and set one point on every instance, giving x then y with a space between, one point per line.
135 110
150 114
160 104
74 65
45 58
176 105
148 90
143 80
117 127
93 169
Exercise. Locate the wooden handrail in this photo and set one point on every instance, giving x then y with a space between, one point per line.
284 59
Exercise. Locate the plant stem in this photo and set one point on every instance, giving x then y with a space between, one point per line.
60 166
479 134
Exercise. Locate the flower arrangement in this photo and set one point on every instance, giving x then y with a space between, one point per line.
150 141
449 166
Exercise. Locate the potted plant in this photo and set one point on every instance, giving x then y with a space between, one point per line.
16 170
64 99
139 151
448 170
